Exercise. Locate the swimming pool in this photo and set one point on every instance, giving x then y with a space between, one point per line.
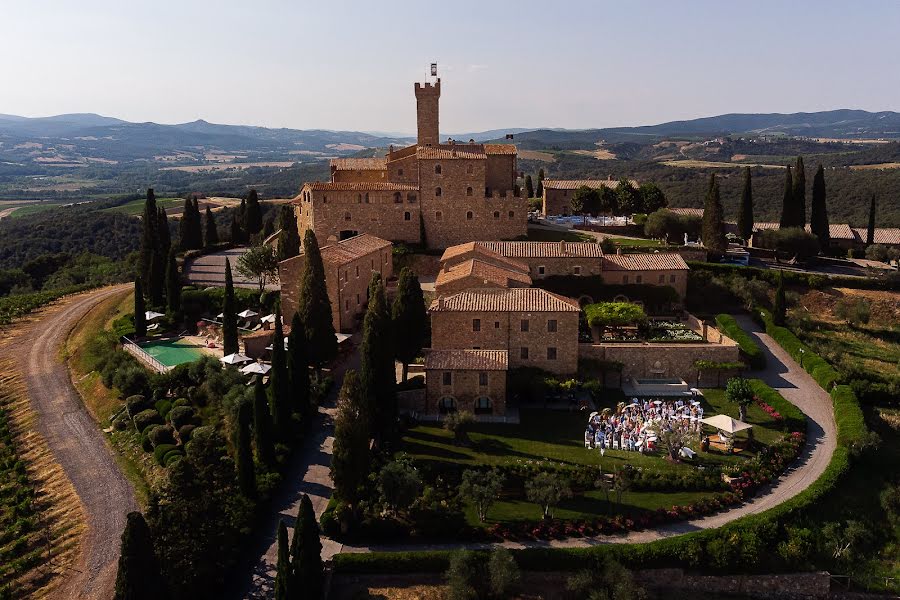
173 352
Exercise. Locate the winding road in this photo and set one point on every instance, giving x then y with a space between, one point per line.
75 439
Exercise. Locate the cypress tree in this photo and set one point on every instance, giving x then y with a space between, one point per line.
787 201
408 315
212 233
243 450
799 194
262 425
350 454
196 224
288 238
138 577
818 218
870 230
268 228
242 215
540 186
279 384
157 285
163 234
779 311
745 211
237 234
713 226
529 186
314 306
306 552
149 231
184 226
229 318
140 319
173 284
283 573
377 366
253 222
298 366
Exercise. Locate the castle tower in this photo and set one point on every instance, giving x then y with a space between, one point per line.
427 96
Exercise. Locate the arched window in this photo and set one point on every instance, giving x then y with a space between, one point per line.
397 198
359 198
407 216
447 404
346 216
324 199
469 169
496 214
438 216
469 215
483 405
367 197
469 191
411 198
437 169
437 191
512 215
400 172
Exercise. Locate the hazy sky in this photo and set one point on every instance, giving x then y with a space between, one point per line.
512 63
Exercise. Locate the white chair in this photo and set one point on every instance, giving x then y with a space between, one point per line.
615 443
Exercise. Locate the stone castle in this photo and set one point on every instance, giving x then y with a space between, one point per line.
430 193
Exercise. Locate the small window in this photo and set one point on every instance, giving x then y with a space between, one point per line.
576 270
624 278
357 271
541 270
346 276
448 404
367 197
469 215
565 192
372 264
407 216
400 172
496 214
487 192
476 324
359 198
523 353
496 324
357 299
639 279
411 198
447 378
346 305
512 214
347 216
551 326
662 278
324 199
482 378
469 169
551 353
483 405
672 278
469 191
437 191
438 216
437 169
397 198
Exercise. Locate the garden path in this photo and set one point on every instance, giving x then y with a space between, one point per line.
781 373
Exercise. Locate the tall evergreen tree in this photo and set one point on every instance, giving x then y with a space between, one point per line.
409 316
529 186
268 228
539 193
314 306
242 216
243 450
253 222
870 230
196 225
229 316
306 552
163 234
212 233
379 377
138 577
149 236
818 218
745 211
157 286
173 284
288 238
298 367
350 455
787 202
779 311
237 234
799 193
713 225
140 319
184 226
283 573
279 384
262 425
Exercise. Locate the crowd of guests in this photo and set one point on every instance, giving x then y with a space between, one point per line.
634 426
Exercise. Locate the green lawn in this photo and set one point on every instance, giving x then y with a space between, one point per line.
136 207
549 235
33 208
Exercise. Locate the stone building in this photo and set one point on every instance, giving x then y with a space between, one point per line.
431 193
469 380
349 265
558 193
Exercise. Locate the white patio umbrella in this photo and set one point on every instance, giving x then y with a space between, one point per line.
726 423
220 316
235 359
256 368
268 319
150 315
246 314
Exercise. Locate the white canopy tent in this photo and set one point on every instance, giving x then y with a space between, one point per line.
246 314
235 359
726 424
151 315
268 319
256 368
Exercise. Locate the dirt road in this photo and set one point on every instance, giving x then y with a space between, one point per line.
75 440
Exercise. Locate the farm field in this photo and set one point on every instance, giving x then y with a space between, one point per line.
890 165
228 166
706 164
136 207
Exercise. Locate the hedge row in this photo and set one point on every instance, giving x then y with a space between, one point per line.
754 354
794 419
796 278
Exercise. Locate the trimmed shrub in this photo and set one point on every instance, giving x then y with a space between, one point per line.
146 444
161 435
159 453
750 349
185 432
163 407
136 404
145 418
793 417
181 416
171 455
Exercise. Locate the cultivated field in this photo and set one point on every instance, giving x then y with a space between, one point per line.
228 166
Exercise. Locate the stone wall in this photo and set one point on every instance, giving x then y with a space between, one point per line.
465 389
386 214
427 98
676 279
500 172
785 586
660 359
566 265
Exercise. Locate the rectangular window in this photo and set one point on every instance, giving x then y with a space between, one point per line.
541 270
496 324
346 305
551 353
482 379
357 299
624 278
576 270
672 278
357 271
523 353
639 279
524 326
447 378
662 278
476 324
551 326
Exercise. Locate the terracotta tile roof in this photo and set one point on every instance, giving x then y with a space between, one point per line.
504 300
574 184
479 269
499 149
545 249
687 212
838 231
467 360
764 225
463 249
361 186
883 235
346 251
447 152
359 164
644 262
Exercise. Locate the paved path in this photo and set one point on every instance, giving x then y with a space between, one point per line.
75 440
792 382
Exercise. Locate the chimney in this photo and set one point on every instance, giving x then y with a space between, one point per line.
619 250
609 177
562 246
